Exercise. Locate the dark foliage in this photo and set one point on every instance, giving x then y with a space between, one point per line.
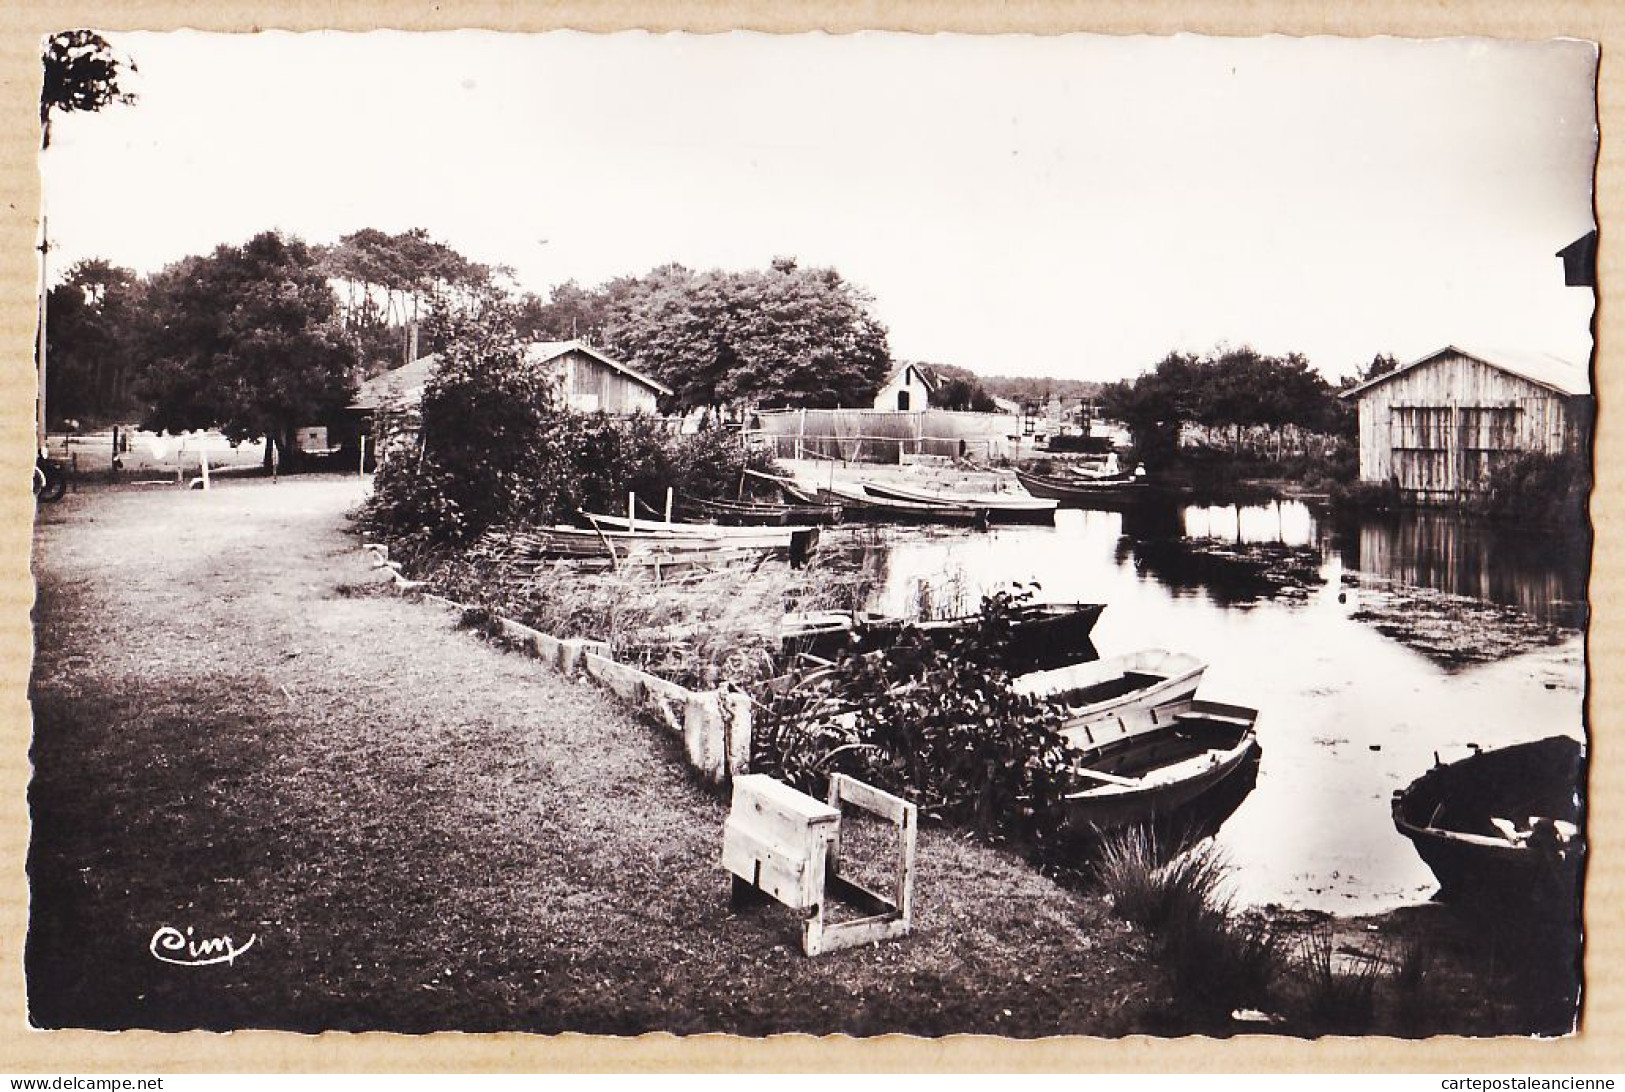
244 340
1233 387
941 727
1550 491
530 460
82 73
781 336
962 394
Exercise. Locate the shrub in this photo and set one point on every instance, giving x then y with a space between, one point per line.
1551 490
1338 998
942 727
1366 496
498 449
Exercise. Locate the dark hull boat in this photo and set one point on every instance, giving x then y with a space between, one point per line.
1180 769
1078 493
1041 634
1000 507
1502 825
758 514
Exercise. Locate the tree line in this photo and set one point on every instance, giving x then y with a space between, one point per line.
1230 388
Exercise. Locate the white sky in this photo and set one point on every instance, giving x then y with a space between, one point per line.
1073 206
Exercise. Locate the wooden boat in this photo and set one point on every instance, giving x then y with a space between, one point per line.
599 548
858 504
792 489
758 514
1083 494
1155 765
1090 691
1041 634
800 539
1501 824
1001 507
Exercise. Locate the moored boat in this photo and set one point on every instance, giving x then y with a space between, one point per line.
1089 691
1106 493
1041 634
1188 763
1000 507
759 514
858 504
1503 825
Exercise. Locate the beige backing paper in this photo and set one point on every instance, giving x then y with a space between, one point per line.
1599 1047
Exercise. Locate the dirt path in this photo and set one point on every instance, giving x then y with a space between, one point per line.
237 734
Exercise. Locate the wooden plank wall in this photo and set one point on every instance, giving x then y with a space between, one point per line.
1430 429
590 384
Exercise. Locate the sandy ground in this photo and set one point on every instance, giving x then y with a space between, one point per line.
239 734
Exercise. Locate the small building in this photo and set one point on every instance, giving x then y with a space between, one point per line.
588 379
591 380
1438 426
909 390
1580 262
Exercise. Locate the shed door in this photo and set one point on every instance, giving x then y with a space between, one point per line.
902 400
1422 448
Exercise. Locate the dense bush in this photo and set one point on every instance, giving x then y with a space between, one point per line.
1550 490
942 727
497 448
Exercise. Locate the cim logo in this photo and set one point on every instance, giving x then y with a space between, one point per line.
170 945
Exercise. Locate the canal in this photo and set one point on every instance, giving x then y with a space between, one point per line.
1368 646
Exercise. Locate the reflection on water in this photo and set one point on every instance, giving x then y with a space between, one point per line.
1541 575
1346 715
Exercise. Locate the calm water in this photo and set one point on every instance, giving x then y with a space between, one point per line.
1347 715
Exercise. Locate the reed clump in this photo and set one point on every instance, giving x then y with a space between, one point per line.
1338 994
1217 957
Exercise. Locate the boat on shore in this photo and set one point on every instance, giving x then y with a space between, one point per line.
1501 825
1041 634
1091 691
800 539
1082 493
758 513
1001 507
601 548
1182 767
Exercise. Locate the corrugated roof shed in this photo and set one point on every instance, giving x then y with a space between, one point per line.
406 382
1548 371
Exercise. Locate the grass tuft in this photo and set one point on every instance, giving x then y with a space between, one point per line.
1339 994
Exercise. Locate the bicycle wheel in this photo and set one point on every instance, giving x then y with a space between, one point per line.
49 484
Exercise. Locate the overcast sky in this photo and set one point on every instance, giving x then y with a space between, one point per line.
1074 206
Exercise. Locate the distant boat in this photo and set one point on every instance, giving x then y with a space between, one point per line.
1001 507
1159 765
1106 493
1502 825
1090 691
1041 634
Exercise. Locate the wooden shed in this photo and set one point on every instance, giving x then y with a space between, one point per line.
591 380
386 407
1438 426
